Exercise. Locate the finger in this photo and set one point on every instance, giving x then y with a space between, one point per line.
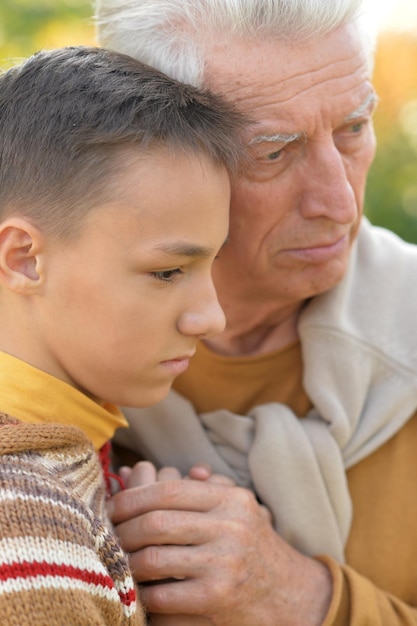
168 473
266 513
200 472
124 473
220 479
164 528
142 473
203 472
166 563
178 620
190 495
175 597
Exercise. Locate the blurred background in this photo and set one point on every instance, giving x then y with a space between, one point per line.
391 198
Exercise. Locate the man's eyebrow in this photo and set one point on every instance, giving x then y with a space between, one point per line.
370 102
281 138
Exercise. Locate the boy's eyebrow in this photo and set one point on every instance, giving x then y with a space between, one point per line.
180 248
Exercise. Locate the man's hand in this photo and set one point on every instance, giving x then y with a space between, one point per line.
145 473
209 551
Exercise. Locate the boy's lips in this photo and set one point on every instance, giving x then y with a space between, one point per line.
178 364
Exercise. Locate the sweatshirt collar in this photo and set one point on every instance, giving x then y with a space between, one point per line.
36 397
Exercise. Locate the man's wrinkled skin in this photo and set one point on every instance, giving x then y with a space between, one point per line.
295 213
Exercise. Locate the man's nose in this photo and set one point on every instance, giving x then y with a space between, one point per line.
327 190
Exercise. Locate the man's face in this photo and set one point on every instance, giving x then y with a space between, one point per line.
124 304
296 209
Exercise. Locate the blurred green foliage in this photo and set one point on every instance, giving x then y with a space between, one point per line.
27 26
391 197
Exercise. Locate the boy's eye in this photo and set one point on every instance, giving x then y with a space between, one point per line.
166 275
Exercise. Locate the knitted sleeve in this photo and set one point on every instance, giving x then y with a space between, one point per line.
59 563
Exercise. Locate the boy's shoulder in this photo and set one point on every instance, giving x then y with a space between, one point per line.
18 435
42 467
54 534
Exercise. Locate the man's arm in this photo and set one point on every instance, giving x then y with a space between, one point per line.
232 569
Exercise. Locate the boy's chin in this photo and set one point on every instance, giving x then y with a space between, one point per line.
144 400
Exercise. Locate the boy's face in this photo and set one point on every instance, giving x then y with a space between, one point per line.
124 303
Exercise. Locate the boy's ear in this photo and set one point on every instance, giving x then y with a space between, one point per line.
21 247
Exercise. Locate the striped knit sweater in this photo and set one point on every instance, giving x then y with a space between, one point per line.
60 563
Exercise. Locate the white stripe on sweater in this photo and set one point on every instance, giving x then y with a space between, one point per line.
9 495
48 550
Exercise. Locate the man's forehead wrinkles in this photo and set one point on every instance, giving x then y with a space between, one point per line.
266 91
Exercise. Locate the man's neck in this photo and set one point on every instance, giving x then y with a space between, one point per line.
250 333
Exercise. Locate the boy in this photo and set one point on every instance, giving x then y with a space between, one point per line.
113 205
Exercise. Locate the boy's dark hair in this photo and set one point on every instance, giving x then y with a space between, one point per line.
66 114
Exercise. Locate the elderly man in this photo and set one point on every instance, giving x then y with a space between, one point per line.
308 399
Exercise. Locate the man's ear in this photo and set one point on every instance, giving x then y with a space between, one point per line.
21 258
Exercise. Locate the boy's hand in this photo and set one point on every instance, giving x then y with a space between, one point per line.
145 473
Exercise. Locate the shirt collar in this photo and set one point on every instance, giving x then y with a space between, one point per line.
34 396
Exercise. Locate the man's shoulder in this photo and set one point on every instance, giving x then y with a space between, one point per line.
374 305
382 267
377 248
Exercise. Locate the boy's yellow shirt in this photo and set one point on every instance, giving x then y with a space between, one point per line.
34 396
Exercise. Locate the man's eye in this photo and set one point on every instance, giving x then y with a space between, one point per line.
166 276
272 156
357 127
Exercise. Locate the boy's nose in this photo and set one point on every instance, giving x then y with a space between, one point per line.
204 317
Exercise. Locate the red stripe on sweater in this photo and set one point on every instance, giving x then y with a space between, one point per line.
128 598
35 568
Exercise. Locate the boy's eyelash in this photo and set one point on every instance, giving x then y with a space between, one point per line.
166 276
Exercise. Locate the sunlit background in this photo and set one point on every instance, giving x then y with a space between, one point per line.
393 14
391 199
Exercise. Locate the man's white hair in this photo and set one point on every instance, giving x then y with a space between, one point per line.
171 35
